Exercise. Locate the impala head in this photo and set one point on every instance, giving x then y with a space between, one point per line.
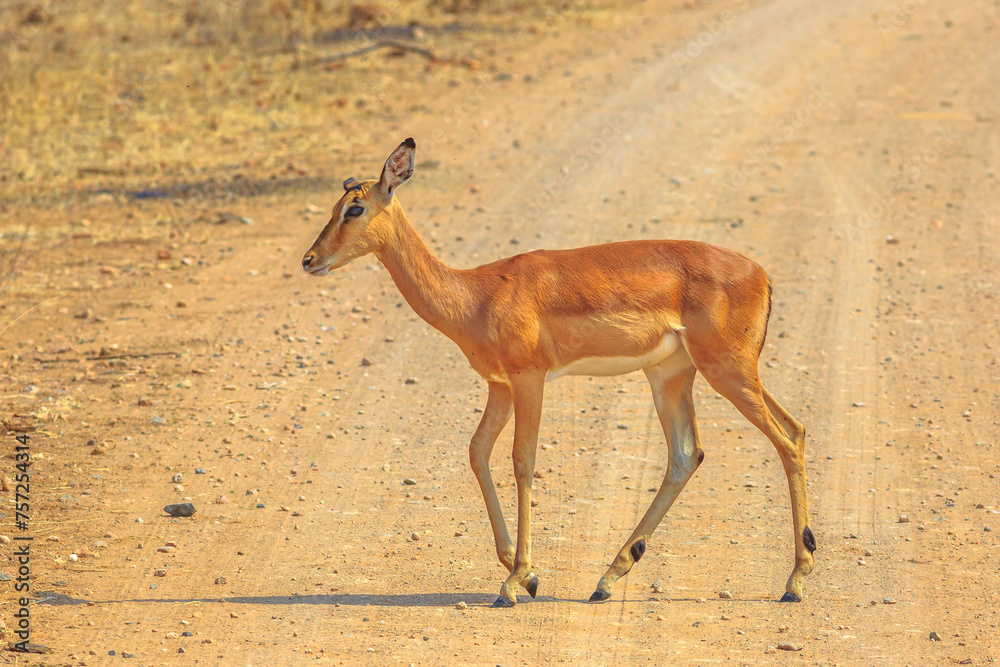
363 218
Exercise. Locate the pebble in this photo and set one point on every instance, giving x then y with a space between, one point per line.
726 595
145 401
177 478
100 544
165 550
409 481
199 471
163 254
220 581
415 537
461 605
903 519
934 637
888 601
789 647
160 573
73 558
411 380
180 509
366 361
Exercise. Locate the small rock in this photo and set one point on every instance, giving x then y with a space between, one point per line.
366 361
177 478
199 471
903 519
159 573
180 509
219 581
409 481
934 637
725 595
770 649
461 605
411 380
73 558
165 550
888 601
789 647
100 544
414 537
163 254
145 401
221 500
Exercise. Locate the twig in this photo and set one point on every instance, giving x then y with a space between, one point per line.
136 355
374 47
2 332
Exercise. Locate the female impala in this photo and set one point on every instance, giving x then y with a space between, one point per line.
669 308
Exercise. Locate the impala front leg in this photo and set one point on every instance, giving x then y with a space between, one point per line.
527 390
499 408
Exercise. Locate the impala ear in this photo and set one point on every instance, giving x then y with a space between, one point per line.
399 167
350 184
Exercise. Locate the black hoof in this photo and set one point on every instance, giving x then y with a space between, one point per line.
532 586
502 602
790 597
600 596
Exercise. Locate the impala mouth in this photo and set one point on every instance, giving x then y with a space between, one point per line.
321 271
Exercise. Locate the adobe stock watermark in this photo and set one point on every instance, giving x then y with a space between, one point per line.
784 129
913 170
711 32
584 156
897 16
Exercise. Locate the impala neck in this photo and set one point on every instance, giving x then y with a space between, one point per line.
437 293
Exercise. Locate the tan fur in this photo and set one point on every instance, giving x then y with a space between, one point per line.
519 319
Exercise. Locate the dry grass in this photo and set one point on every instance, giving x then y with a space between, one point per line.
131 93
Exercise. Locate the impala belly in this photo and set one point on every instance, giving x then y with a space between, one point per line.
603 366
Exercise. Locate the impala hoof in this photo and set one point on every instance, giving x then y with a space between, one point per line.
502 602
532 586
790 597
600 596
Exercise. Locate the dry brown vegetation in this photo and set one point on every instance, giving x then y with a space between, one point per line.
124 94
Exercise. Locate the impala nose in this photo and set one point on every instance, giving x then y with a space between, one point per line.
307 260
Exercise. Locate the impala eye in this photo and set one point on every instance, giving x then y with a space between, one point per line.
355 211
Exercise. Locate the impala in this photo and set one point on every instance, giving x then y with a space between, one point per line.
668 308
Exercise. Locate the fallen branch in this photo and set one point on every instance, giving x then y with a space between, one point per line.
374 47
136 355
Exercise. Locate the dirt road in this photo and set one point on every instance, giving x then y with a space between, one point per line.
850 148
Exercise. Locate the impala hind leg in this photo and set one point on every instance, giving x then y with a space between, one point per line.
671 384
527 390
736 378
499 408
